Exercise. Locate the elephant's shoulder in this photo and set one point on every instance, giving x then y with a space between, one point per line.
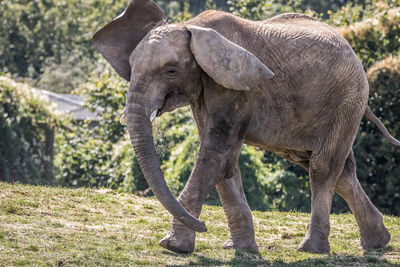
289 17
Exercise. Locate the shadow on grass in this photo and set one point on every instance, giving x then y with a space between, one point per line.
370 257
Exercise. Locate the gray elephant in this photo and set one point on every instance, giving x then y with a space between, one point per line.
290 85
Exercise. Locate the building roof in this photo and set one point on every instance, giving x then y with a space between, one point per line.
71 104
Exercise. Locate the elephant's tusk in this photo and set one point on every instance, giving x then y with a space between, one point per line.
153 115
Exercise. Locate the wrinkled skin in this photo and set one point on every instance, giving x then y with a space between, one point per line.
289 85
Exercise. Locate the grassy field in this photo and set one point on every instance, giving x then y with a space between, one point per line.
57 226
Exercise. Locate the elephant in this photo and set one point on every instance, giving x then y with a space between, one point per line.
290 85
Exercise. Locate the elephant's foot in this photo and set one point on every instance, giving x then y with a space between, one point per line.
179 241
243 245
378 238
314 244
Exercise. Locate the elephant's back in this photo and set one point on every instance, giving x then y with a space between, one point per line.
314 66
299 30
305 52
289 17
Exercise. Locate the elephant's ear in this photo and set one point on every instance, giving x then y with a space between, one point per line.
225 62
118 39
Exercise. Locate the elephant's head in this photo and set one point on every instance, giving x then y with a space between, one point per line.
163 64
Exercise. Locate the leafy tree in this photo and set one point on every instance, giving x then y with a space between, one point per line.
47 37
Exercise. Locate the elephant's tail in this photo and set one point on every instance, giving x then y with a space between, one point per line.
371 116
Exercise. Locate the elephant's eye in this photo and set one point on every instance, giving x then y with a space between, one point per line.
171 72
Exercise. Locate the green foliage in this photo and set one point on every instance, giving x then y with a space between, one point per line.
27 127
181 16
183 155
256 10
261 10
106 95
83 157
339 12
126 175
45 38
172 9
375 38
269 186
347 14
85 148
50 41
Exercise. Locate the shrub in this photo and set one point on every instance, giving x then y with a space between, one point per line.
84 149
179 165
375 38
27 124
83 157
126 175
271 186
355 11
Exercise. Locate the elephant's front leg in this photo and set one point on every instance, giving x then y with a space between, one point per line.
218 154
237 211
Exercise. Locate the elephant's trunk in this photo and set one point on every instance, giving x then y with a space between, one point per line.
140 132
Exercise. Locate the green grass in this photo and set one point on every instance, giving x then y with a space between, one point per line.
51 226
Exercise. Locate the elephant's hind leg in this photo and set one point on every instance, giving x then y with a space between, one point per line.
370 221
327 161
325 167
237 211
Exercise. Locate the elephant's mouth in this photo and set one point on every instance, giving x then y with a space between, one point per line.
157 112
172 100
